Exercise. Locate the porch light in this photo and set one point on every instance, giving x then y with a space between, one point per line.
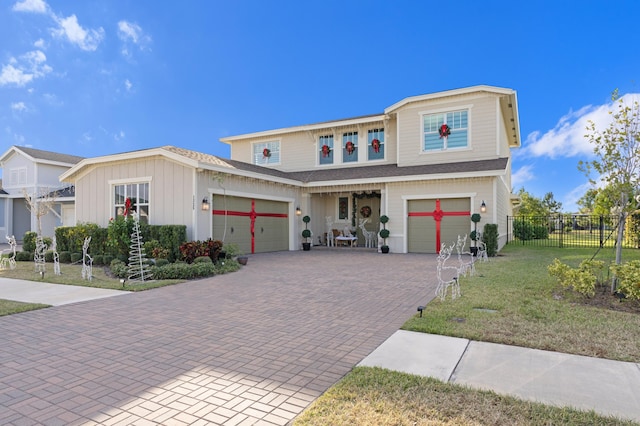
483 207
298 211
205 204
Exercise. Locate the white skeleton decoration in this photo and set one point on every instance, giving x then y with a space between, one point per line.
87 261
331 242
369 236
56 257
38 256
10 261
444 283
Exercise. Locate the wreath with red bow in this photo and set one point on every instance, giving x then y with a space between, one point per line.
350 147
375 144
445 131
326 150
365 211
266 153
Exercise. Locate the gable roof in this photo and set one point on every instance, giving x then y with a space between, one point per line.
40 156
321 177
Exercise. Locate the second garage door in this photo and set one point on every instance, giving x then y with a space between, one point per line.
432 222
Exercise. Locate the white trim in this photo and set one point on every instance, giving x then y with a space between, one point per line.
263 142
421 115
129 180
447 93
443 110
306 128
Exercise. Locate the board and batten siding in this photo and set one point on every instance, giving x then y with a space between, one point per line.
482 131
170 190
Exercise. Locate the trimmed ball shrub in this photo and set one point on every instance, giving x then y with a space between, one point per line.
24 256
65 257
76 257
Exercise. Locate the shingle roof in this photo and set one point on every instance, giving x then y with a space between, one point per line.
50 156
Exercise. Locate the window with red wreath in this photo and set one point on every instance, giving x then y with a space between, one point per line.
350 147
375 144
325 145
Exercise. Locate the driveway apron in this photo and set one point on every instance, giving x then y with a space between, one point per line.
252 347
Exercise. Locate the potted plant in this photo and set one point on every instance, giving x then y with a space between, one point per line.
475 218
384 233
306 234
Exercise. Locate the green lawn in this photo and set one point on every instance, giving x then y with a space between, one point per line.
510 300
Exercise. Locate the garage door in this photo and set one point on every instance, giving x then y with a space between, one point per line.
256 226
433 222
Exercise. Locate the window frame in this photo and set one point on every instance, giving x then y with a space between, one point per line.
330 140
444 111
352 136
126 184
275 148
383 143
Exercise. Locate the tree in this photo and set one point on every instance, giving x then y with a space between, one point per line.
530 205
617 160
40 203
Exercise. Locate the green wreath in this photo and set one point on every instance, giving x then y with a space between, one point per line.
365 211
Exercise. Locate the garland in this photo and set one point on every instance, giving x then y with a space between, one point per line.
444 131
266 153
350 147
326 150
375 144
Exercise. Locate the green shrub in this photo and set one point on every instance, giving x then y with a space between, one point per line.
582 279
184 271
194 249
162 262
490 238
154 250
98 259
119 268
202 259
76 257
628 275
384 233
24 256
65 257
48 256
29 241
107 258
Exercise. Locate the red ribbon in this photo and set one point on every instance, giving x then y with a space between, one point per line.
252 215
437 215
376 145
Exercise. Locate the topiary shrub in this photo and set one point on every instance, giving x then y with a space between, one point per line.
202 259
29 241
65 257
76 257
183 271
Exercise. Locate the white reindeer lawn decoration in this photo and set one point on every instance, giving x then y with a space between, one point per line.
369 236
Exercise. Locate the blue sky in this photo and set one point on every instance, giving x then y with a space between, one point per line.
98 77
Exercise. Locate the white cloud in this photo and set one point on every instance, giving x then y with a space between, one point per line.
128 85
25 69
130 32
52 100
119 136
70 29
521 176
18 106
567 138
33 6
39 43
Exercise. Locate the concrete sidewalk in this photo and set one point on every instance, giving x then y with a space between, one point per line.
51 294
611 388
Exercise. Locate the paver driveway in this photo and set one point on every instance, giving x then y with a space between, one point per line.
253 347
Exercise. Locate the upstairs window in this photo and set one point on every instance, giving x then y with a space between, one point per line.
375 144
266 153
18 176
350 147
130 198
435 138
325 153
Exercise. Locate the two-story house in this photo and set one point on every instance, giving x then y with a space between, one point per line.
36 173
427 162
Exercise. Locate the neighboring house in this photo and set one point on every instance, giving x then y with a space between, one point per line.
35 172
338 172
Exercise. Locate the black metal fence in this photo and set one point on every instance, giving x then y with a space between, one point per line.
572 230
